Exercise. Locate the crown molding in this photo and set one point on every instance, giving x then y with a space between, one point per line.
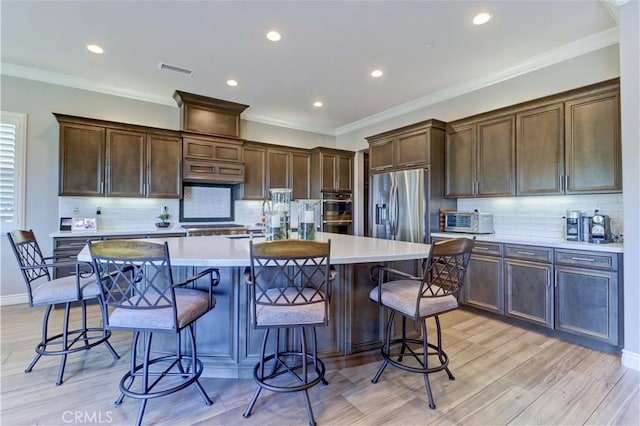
568 51
80 83
288 124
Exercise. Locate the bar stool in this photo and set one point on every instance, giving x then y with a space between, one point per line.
289 290
140 292
42 290
418 298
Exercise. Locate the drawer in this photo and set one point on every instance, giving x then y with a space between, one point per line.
72 243
489 249
587 259
213 171
532 253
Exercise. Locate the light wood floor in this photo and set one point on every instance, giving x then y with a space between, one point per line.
504 375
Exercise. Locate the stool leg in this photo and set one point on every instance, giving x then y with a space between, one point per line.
260 370
440 356
385 348
425 349
103 311
194 366
43 341
65 330
307 402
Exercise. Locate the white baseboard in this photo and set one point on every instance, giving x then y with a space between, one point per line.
631 359
14 299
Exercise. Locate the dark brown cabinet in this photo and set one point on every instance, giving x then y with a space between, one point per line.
593 158
483 287
528 273
587 295
407 147
82 151
331 171
273 166
540 150
99 158
480 158
212 159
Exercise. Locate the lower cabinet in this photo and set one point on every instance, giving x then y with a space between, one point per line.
573 292
587 297
483 287
528 275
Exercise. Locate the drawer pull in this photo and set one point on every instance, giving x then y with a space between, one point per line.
527 253
583 259
481 248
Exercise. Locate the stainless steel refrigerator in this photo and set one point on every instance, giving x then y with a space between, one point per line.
404 205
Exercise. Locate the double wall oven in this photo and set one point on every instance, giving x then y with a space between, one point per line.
337 212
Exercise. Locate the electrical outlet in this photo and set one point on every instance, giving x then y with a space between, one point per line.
76 210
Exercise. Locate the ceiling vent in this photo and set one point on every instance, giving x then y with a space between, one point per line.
174 68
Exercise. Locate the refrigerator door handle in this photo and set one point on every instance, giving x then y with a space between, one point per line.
395 210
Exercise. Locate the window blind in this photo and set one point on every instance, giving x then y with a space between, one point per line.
11 170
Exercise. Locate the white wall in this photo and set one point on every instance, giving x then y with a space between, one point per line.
630 104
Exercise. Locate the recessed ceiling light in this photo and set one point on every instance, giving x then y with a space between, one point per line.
232 83
376 73
481 18
317 104
274 36
94 48
429 45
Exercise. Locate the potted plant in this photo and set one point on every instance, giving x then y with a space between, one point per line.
164 217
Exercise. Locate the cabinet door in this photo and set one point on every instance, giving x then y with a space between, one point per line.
412 149
278 169
593 147
81 159
126 163
483 286
211 149
460 162
328 171
301 174
381 154
587 303
529 293
496 158
255 173
540 151
164 172
344 173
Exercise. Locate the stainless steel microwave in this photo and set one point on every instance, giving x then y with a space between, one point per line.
469 222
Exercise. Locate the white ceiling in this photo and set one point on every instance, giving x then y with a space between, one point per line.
327 51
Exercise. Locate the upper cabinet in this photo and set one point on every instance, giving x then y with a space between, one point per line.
100 158
480 158
563 144
209 116
273 166
593 158
331 171
212 159
571 146
408 147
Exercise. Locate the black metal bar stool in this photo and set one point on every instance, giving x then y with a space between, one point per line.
142 297
290 290
42 290
418 298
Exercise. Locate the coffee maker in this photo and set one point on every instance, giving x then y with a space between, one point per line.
572 229
600 230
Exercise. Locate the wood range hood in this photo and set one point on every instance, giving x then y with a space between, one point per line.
209 116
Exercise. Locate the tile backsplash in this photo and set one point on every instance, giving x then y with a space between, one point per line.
543 216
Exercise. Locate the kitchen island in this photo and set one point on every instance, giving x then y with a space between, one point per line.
227 343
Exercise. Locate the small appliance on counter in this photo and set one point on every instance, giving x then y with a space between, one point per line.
572 230
469 222
600 230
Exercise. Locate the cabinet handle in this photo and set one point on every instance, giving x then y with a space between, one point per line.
102 187
527 253
583 259
566 182
561 182
481 248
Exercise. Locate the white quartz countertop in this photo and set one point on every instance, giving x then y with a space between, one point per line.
222 251
134 231
533 241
